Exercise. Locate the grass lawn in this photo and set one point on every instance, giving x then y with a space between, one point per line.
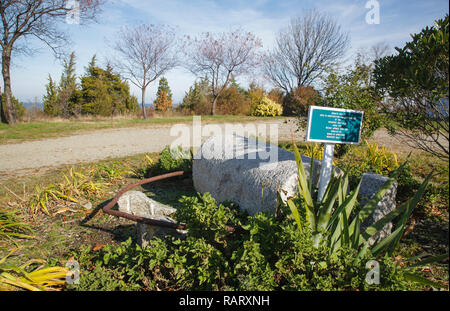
39 130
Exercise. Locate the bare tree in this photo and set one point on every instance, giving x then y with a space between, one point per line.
304 49
379 50
221 57
146 53
368 55
22 19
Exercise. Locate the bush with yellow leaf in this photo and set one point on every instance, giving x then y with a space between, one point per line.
266 108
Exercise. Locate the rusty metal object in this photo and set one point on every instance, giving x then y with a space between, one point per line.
153 222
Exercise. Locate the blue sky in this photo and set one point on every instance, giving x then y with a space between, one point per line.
398 19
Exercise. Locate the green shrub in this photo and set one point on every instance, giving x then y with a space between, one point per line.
270 254
206 219
171 160
266 108
336 220
18 106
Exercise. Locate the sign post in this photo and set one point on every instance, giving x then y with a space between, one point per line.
332 126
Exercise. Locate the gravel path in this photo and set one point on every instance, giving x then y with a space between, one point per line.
33 156
112 143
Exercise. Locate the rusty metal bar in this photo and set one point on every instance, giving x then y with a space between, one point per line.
153 222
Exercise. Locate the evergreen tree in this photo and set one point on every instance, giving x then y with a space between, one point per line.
51 103
104 93
19 108
163 101
197 98
67 86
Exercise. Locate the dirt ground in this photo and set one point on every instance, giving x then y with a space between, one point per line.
35 156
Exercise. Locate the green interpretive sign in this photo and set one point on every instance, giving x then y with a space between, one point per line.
334 125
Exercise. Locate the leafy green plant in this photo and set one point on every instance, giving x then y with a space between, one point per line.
269 254
172 159
368 158
335 221
333 214
354 89
417 80
206 219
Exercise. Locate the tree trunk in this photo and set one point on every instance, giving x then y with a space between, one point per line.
8 111
144 113
213 106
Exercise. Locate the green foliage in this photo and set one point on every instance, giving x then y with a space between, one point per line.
417 80
354 89
266 108
306 267
197 99
368 158
205 219
337 222
163 101
270 254
104 93
18 106
101 92
171 160
51 103
67 86
197 264
252 269
110 269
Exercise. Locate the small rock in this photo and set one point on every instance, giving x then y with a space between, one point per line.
137 203
87 205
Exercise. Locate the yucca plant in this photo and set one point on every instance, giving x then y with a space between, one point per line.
336 220
40 278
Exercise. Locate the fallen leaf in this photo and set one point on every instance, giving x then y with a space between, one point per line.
98 247
61 210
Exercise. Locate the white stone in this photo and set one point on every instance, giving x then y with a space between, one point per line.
370 184
137 203
248 172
